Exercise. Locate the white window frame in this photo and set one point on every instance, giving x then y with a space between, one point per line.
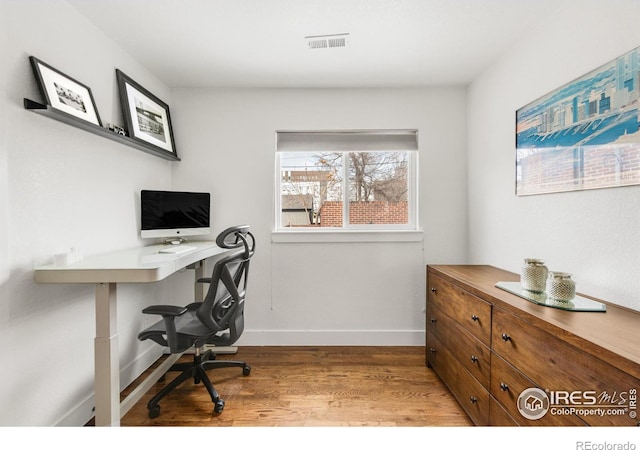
345 142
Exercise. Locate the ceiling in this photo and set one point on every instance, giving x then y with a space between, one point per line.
261 43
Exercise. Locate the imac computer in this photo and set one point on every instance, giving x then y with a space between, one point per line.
172 215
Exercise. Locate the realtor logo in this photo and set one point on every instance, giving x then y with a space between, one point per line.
533 403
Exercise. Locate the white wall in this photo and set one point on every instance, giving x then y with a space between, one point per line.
62 187
326 293
592 234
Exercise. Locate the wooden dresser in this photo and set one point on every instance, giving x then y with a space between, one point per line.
509 361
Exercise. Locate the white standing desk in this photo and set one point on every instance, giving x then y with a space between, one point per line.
139 265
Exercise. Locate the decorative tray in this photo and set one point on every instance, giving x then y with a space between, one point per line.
577 303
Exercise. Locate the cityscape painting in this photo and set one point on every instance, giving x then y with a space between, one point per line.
583 135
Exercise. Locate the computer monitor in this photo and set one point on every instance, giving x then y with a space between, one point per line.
174 214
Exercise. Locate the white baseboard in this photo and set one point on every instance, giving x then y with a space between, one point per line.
216 349
79 415
332 337
82 412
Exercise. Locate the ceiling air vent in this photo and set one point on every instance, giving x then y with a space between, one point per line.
328 41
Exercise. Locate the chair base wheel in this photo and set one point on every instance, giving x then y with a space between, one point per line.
246 370
154 412
219 406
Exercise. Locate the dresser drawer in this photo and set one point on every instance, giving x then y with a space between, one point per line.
507 383
498 417
473 313
466 348
598 391
469 393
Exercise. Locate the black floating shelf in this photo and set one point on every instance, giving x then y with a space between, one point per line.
55 114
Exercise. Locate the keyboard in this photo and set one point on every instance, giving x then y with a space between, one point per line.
177 249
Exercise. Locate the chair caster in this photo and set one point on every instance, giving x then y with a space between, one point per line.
246 370
154 411
219 406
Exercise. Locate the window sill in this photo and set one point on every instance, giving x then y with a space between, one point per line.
347 236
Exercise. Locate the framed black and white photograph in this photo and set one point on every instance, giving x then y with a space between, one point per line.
63 93
146 116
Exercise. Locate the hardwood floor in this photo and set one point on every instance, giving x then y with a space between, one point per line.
312 386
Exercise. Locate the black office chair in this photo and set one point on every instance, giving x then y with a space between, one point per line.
218 320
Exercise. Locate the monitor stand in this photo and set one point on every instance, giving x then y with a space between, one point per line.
175 241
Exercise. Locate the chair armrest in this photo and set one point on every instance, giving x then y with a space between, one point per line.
165 310
169 314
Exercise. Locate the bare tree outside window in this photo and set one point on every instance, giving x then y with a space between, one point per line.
313 188
378 188
308 180
378 176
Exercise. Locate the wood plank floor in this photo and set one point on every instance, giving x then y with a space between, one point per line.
312 386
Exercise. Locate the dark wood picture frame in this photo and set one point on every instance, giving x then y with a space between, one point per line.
147 117
64 93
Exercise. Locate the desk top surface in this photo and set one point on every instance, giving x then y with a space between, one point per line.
137 265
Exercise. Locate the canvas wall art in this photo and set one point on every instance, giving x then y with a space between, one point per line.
583 135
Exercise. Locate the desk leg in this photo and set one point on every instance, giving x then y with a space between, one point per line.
107 363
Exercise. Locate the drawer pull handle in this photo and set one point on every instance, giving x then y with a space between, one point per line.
474 318
432 350
434 290
506 337
473 399
504 387
474 358
434 320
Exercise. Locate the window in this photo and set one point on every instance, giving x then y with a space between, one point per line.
356 180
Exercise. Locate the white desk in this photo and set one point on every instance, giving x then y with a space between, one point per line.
140 265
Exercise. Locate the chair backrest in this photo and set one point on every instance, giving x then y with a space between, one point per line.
223 306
